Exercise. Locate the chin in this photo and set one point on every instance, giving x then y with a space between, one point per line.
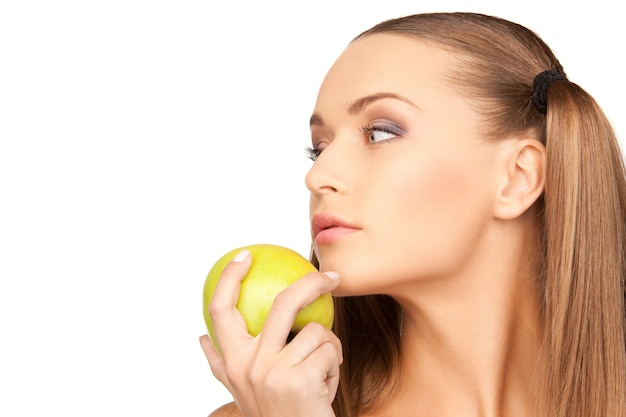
354 284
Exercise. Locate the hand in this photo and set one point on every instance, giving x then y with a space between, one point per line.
265 375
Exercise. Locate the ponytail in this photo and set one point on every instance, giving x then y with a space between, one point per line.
585 235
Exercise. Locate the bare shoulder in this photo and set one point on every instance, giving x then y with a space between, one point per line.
227 410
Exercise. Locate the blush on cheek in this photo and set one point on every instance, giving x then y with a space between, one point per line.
441 187
437 214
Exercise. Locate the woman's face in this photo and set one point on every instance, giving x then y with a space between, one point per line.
402 190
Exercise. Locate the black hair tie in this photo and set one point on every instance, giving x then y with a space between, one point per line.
540 88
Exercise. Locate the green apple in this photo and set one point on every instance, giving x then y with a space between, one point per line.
273 269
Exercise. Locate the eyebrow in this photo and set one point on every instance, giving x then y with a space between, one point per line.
358 105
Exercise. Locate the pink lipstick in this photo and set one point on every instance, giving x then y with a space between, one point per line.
328 228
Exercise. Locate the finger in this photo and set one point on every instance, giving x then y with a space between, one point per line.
286 306
227 288
223 306
216 362
332 379
309 339
322 367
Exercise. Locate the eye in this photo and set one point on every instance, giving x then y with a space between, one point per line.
379 136
381 132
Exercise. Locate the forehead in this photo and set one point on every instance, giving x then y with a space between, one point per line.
387 62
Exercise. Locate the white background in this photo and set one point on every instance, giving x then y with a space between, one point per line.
140 140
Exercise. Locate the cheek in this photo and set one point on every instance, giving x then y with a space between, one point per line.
434 191
431 219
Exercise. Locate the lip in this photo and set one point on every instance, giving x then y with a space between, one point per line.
327 228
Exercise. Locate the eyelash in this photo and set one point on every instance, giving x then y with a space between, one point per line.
313 153
367 130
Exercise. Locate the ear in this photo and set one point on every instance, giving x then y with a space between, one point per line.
523 179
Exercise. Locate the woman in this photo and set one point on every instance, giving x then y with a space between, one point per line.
471 203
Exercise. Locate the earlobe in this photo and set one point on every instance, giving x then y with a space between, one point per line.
523 181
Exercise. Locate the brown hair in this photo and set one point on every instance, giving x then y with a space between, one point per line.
583 208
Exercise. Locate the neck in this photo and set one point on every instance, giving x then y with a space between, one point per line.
470 343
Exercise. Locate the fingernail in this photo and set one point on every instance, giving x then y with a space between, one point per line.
332 275
242 256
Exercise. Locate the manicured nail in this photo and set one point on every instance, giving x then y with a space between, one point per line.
242 256
332 275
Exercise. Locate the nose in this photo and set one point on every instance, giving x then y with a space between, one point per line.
327 175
